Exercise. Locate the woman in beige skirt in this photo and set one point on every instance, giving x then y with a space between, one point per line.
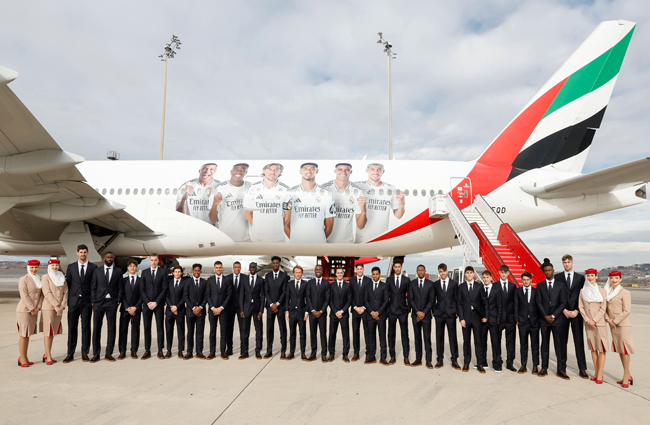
31 299
55 300
619 307
593 308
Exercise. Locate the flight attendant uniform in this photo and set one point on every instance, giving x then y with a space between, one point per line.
592 309
619 308
31 297
54 296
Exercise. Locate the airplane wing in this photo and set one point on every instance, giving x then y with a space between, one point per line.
608 180
41 180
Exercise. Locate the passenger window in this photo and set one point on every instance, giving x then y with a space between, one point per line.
406 192
127 191
371 192
119 191
135 191
144 192
356 192
415 192
103 191
199 191
389 192
150 191
398 192
175 191
424 192
159 192
432 192
167 191
112 191
381 192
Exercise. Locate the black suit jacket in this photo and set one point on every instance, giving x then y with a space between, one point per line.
218 296
340 299
444 303
508 301
131 298
236 291
100 288
465 302
421 300
252 300
176 297
318 298
195 297
296 301
377 300
525 312
494 304
358 287
397 303
274 289
551 304
573 294
154 291
76 287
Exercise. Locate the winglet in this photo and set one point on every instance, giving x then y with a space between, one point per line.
7 75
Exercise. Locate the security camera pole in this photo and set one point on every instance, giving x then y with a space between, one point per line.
388 49
170 52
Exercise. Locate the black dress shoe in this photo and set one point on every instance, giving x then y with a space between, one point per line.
355 358
95 358
168 355
346 359
383 362
324 359
228 353
283 356
290 356
109 358
466 367
68 358
258 355
268 355
134 355
392 360
416 363
511 368
583 374
455 365
211 355
224 355
122 356
303 357
330 358
311 358
480 369
160 354
146 355
563 375
429 365
188 356
522 370
243 356
439 365
180 354
535 372
84 358
200 355
407 362
542 373
370 360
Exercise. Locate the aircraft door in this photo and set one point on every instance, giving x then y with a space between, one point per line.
461 191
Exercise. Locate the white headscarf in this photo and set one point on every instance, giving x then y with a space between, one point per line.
591 293
36 278
611 293
57 277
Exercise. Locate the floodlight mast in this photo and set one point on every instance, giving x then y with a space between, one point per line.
169 53
388 49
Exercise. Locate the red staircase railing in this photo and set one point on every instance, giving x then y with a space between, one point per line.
526 258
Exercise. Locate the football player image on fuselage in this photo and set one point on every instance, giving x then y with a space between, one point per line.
265 206
350 205
195 197
228 206
381 200
311 209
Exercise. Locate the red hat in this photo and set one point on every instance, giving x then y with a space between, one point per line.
614 273
33 263
54 261
591 271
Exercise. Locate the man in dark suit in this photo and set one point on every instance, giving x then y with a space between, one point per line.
131 311
154 292
251 301
195 301
175 312
494 314
296 312
572 317
377 305
218 293
275 283
318 298
340 300
508 322
358 285
471 312
106 292
551 302
79 277
444 310
527 321
233 309
398 310
420 298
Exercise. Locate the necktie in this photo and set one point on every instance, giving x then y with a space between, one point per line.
253 282
83 273
176 285
505 288
218 284
275 276
374 290
132 283
196 281
153 275
527 299
108 275
297 285
470 289
421 286
444 286
568 280
318 283
550 288
340 286
397 283
237 282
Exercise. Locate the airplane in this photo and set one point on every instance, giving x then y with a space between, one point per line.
530 175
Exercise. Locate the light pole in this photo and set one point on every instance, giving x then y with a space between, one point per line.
170 52
388 49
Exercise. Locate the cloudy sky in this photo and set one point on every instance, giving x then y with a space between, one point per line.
259 79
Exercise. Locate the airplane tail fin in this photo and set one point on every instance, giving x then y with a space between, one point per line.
557 126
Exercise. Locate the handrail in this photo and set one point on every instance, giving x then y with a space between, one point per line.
507 236
491 258
467 238
488 214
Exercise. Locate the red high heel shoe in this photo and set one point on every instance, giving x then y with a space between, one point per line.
46 362
631 381
599 381
22 364
593 378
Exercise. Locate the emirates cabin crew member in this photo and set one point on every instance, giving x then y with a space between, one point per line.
593 308
350 205
55 300
31 301
227 211
527 321
195 197
619 307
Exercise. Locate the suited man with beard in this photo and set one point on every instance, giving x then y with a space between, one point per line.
251 301
358 284
153 293
106 292
275 283
398 310
296 312
421 297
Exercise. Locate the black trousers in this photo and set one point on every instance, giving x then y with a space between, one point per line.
344 321
198 323
359 320
526 331
246 331
474 326
296 320
511 336
98 319
316 325
373 326
422 329
159 313
404 333
221 320
558 343
577 329
172 319
232 316
86 314
282 324
125 320
450 324
495 341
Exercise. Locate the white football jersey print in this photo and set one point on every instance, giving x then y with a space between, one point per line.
230 212
308 213
200 199
347 207
380 203
268 206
